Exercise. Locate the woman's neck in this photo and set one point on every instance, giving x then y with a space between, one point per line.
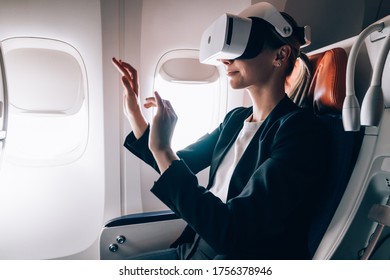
264 101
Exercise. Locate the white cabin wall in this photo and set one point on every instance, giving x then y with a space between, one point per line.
110 33
64 216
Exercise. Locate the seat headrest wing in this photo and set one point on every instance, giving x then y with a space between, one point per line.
327 88
328 84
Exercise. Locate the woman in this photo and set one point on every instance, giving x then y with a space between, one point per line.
265 167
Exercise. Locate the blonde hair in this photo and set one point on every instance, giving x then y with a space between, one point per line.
298 82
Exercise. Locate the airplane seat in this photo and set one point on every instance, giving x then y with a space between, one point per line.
326 94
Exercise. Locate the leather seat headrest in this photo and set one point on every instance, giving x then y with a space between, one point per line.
327 88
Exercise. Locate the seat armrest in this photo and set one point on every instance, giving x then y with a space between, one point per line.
142 218
133 234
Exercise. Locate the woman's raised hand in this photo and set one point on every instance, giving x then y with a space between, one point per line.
131 106
130 83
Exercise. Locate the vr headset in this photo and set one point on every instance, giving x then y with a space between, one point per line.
231 36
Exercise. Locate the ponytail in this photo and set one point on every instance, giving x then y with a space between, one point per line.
297 86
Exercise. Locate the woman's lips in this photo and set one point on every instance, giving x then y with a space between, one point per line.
231 73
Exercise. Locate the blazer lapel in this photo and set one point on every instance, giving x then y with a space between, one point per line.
258 149
226 140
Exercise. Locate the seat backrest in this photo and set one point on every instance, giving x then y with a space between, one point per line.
326 94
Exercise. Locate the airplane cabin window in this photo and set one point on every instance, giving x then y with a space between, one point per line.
48 99
194 90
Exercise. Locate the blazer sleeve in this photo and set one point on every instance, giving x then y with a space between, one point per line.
272 202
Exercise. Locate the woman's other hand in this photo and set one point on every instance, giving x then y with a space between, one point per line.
162 129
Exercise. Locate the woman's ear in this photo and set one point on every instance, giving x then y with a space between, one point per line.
282 55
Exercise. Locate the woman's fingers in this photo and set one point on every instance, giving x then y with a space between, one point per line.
159 101
130 69
150 102
121 68
126 70
128 73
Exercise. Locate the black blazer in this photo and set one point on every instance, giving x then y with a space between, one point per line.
272 193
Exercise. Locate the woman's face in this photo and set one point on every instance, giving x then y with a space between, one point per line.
246 73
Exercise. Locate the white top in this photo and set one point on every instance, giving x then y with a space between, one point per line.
225 170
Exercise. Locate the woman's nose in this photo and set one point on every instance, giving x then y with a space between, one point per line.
226 61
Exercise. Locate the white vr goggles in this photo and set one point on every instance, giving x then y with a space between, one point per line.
231 36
